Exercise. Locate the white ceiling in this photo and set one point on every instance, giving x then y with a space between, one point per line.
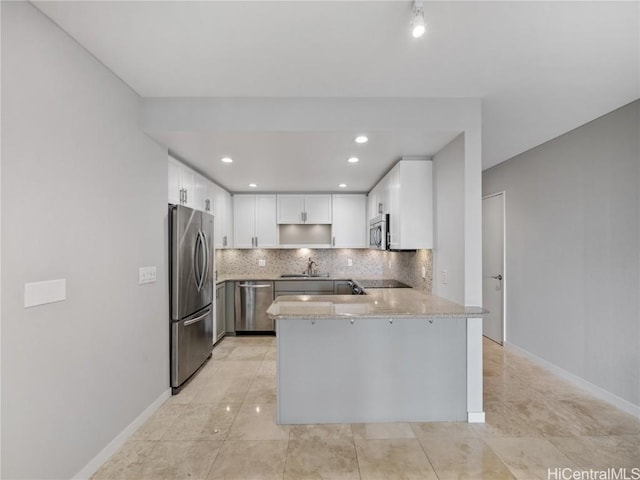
541 68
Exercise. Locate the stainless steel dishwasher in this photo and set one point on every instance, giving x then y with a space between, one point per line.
252 300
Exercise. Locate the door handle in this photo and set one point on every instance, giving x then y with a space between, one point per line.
196 274
197 319
497 277
244 285
205 258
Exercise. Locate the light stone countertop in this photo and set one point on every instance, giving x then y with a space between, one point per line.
272 278
378 303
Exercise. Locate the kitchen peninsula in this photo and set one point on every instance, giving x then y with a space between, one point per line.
393 355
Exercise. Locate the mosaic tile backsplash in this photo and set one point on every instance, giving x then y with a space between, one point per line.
403 266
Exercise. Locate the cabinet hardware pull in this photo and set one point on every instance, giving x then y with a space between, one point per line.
333 242
352 321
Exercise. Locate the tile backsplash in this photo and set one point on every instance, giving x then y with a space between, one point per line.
403 266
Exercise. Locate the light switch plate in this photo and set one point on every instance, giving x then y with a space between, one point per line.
39 293
147 275
424 272
444 278
262 262
349 262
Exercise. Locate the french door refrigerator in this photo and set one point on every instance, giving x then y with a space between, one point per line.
191 291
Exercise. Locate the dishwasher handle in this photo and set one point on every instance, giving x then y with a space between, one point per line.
247 285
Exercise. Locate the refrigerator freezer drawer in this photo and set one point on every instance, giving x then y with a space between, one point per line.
191 344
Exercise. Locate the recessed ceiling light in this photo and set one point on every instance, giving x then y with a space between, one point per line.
343 185
362 139
252 185
353 160
226 160
418 27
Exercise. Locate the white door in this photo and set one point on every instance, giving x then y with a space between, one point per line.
317 209
349 221
493 266
266 225
244 225
290 209
175 186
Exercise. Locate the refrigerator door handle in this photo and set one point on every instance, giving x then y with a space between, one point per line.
196 274
197 319
205 258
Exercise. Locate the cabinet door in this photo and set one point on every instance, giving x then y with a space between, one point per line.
188 182
395 213
317 209
244 215
200 185
266 227
342 287
349 228
220 323
227 220
218 213
290 209
174 182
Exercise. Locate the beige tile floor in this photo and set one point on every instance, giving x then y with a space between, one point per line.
222 426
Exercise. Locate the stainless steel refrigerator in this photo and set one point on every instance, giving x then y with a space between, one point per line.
191 291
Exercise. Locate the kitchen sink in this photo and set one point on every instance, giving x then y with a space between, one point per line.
304 275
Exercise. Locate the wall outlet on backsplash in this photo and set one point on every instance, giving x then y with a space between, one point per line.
389 263
349 262
262 262
424 272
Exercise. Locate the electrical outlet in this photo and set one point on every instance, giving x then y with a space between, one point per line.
424 272
349 262
444 278
389 263
262 262
147 275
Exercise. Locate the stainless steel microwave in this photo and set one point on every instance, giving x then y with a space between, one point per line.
379 232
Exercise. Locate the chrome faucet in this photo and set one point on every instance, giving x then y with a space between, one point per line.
310 265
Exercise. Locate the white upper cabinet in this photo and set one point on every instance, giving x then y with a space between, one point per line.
304 209
222 209
410 187
201 198
290 208
175 185
317 209
189 188
378 199
254 223
182 182
349 229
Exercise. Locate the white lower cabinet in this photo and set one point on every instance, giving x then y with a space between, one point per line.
349 228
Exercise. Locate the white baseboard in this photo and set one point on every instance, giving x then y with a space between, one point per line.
475 417
580 382
114 445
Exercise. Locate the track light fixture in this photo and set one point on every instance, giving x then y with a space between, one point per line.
418 27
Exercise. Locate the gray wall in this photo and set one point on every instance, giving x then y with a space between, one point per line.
572 271
84 198
449 202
